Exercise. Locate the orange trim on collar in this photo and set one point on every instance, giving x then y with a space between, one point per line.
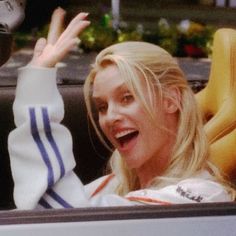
103 184
148 200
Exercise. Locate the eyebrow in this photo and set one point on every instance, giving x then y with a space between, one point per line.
118 89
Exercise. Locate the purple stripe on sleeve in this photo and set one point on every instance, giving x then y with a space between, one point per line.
58 199
52 141
39 143
44 204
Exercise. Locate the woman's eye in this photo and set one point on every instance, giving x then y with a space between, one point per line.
101 108
127 98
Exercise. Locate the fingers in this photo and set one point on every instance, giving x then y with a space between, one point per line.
48 53
38 50
80 17
65 48
73 35
56 25
76 26
39 47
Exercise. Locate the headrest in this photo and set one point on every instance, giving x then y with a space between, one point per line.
217 102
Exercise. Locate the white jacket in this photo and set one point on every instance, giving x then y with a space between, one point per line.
42 161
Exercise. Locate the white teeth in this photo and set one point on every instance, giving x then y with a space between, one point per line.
123 133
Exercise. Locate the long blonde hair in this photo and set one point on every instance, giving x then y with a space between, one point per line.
159 70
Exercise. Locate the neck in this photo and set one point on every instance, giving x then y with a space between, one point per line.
157 165
148 172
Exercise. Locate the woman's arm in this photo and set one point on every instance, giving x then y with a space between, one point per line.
40 148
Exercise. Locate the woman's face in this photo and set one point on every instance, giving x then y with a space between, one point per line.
126 124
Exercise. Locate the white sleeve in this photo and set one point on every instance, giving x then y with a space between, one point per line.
40 148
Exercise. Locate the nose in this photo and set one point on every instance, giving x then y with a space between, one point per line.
113 114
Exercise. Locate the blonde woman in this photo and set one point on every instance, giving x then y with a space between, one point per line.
145 109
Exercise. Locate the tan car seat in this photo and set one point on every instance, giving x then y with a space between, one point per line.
217 102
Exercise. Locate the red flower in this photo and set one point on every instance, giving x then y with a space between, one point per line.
193 51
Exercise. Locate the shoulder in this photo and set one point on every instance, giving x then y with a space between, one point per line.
202 190
199 189
103 185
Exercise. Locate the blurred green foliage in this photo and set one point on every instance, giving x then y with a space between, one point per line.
184 39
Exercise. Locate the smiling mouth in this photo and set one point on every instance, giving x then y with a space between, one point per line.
127 138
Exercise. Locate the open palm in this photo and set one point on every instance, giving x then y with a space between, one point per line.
48 52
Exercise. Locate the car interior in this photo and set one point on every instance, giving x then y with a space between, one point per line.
217 102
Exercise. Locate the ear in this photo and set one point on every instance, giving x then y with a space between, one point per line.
172 100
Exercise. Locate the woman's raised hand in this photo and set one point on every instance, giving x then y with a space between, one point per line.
48 52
